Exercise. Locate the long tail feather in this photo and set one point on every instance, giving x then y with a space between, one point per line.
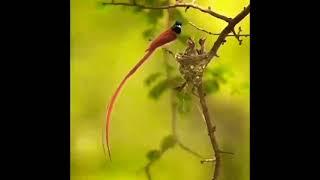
114 96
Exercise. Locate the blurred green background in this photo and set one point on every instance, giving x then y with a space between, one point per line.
105 43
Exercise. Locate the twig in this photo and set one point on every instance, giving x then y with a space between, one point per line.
147 170
225 152
179 5
237 36
215 34
227 30
150 163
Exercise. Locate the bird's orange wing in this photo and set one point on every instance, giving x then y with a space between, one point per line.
164 38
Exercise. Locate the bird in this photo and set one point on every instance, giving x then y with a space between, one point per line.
165 37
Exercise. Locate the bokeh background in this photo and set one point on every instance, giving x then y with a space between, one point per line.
105 43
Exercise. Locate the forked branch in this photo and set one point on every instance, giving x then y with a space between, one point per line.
178 5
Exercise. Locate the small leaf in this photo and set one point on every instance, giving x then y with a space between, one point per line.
159 89
211 86
148 33
218 74
168 142
151 78
153 155
184 96
154 16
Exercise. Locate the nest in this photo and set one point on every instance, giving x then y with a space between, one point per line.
193 62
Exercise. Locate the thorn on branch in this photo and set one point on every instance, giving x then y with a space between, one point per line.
239 30
189 6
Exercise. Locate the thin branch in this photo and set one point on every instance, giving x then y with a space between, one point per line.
227 30
147 170
182 146
178 5
211 129
225 152
237 36
215 34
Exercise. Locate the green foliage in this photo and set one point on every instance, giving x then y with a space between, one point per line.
161 86
92 30
157 90
153 155
154 15
213 78
183 38
242 88
151 78
168 142
211 86
175 81
149 33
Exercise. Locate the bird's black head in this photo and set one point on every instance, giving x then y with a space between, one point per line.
177 27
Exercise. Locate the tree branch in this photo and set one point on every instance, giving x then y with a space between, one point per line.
211 129
227 30
178 5
215 34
